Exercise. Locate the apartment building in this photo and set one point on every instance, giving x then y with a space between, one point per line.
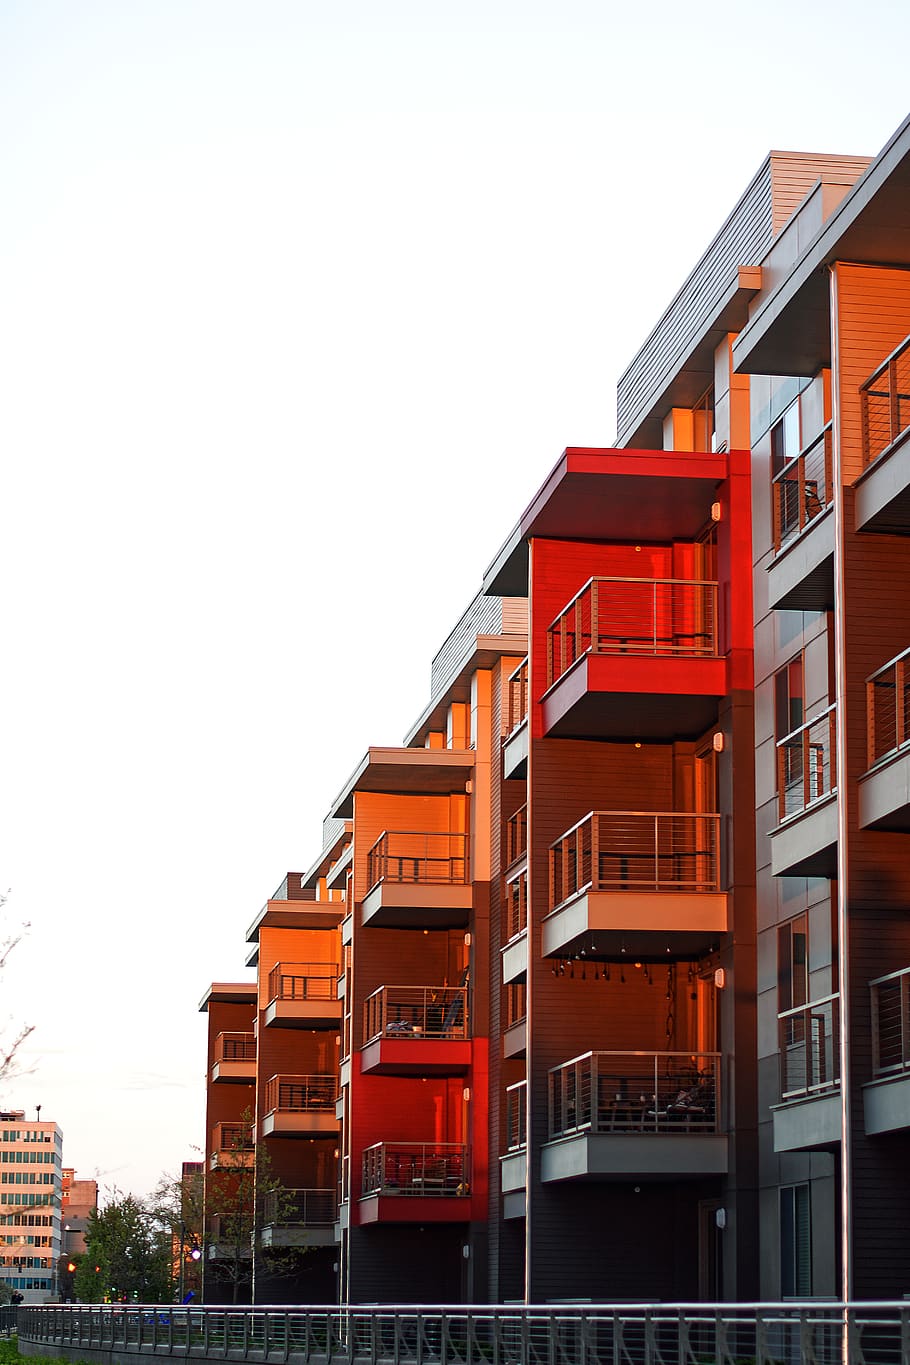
31 1160
77 1200
623 995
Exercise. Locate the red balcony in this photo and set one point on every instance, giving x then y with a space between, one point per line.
415 1182
637 883
235 1058
418 880
616 1115
883 489
884 790
300 1106
633 658
303 995
416 1031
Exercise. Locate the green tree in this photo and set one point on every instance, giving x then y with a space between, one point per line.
241 1195
128 1254
177 1203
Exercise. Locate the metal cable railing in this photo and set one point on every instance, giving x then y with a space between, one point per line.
667 616
888 708
885 403
823 1333
890 998
802 490
437 857
517 707
806 764
636 1092
636 850
809 1048
303 981
416 1012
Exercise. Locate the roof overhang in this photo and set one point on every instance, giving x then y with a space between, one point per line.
329 855
423 772
297 915
790 331
228 993
599 494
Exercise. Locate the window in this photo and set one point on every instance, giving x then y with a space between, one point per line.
785 438
793 963
795 1242
789 712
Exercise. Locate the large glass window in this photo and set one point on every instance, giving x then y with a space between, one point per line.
795 1242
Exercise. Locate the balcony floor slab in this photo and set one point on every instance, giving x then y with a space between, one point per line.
640 925
620 1156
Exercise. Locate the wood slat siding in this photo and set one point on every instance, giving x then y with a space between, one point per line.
873 318
743 240
332 828
779 187
879 943
401 1264
795 173
484 616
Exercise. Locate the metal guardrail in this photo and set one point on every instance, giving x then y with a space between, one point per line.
807 764
823 1333
416 1168
666 616
802 490
517 689
885 403
890 1001
416 1012
303 981
636 850
636 1092
809 1048
888 708
434 857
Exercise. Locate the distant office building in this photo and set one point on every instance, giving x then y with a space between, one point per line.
31 1190
79 1198
600 985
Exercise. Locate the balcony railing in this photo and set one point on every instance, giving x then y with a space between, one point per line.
636 850
439 857
637 1092
668 616
809 1048
891 1023
300 1094
516 835
888 708
819 1331
517 1116
885 403
299 1208
517 685
806 764
233 1137
802 489
235 1047
416 1012
516 905
303 981
416 1168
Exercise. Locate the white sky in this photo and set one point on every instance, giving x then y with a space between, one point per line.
298 304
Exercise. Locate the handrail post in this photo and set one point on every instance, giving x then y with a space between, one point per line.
893 402
656 853
595 618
